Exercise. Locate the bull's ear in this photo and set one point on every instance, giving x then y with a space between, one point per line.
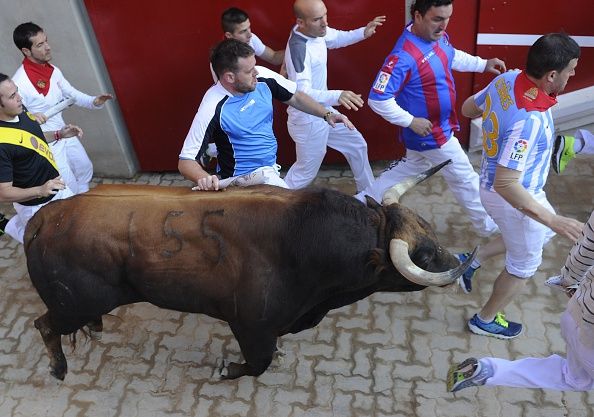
372 203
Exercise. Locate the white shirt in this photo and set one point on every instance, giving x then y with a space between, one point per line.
306 61
59 89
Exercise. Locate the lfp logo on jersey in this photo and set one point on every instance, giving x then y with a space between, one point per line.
520 148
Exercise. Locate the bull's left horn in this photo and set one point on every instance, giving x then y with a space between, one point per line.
403 264
393 194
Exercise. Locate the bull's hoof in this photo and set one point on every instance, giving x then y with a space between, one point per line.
278 357
59 372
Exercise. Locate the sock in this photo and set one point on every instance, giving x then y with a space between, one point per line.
483 320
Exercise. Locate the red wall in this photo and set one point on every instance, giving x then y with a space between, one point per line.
534 17
157 58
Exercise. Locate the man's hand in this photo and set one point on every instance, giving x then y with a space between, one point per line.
52 187
340 118
210 182
69 131
350 100
565 226
40 117
495 65
421 126
101 99
372 26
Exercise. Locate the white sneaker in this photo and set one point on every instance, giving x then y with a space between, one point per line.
555 283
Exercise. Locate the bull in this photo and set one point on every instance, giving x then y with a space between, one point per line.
266 260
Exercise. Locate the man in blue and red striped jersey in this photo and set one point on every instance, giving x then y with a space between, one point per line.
415 90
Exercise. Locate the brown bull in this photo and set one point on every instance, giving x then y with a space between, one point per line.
266 260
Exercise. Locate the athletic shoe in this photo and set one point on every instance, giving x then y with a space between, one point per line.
499 327
3 223
562 152
470 373
555 283
465 280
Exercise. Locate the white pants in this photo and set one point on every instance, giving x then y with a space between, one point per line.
17 224
59 152
588 138
79 173
523 237
311 140
460 176
576 373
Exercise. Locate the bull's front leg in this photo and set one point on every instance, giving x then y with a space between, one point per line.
53 343
257 347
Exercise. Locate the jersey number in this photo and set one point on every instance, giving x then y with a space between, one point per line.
490 136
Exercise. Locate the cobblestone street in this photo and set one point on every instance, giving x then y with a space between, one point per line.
386 355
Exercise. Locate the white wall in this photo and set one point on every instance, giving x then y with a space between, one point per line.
75 52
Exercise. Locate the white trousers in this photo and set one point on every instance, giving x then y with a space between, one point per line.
576 373
523 237
73 163
311 140
588 139
17 223
459 175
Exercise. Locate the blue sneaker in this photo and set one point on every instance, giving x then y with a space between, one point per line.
499 327
470 373
465 280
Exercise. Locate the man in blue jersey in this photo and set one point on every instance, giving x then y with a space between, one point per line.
415 90
518 137
237 114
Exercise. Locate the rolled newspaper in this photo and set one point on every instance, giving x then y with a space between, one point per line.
253 178
52 111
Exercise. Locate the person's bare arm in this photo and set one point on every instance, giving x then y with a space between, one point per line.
305 103
507 185
192 171
273 57
11 194
67 131
470 109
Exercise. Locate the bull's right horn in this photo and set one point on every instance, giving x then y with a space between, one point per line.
393 194
403 264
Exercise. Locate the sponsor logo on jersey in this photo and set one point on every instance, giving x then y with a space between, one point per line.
249 104
531 94
520 148
427 57
381 82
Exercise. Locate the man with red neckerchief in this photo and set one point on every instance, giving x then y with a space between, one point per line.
518 137
42 86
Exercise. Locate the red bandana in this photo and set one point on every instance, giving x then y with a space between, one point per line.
530 97
39 75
